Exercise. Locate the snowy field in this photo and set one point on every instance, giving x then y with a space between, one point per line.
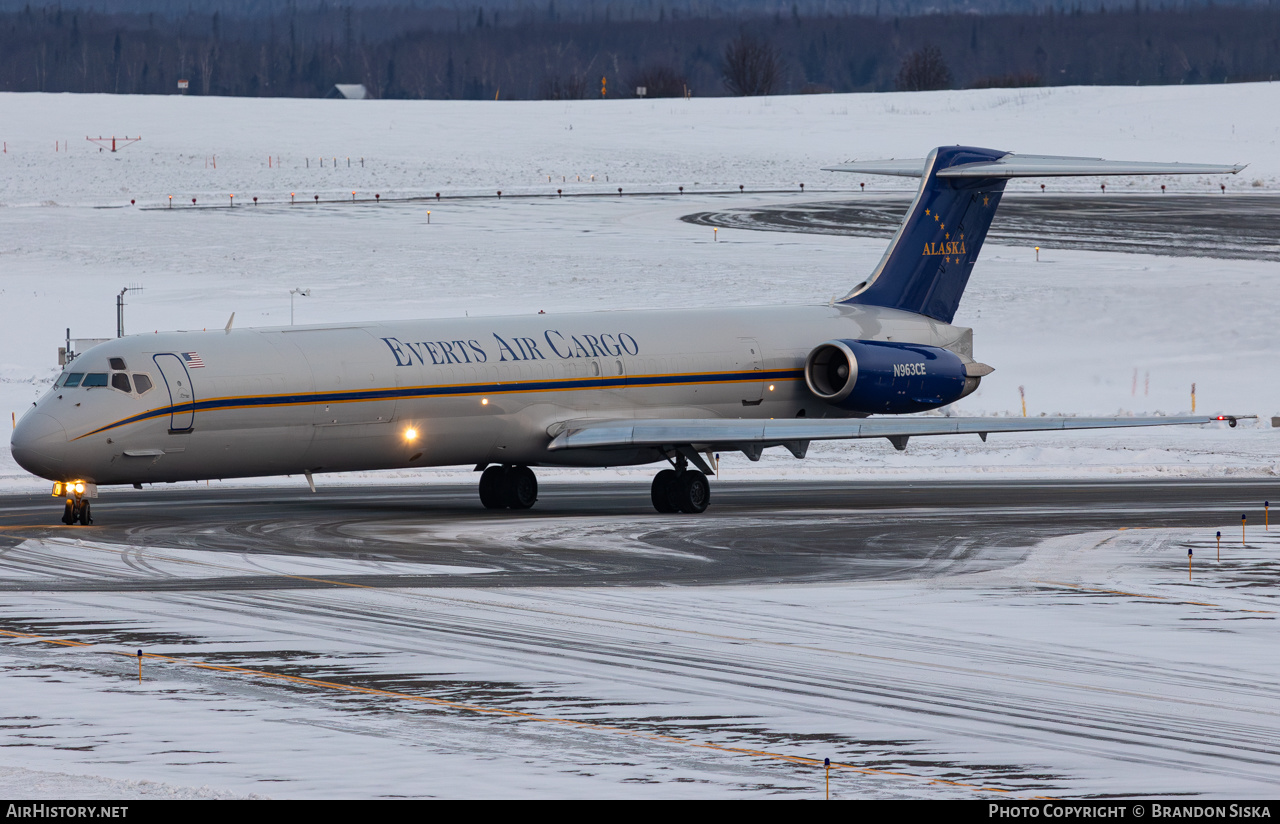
1090 666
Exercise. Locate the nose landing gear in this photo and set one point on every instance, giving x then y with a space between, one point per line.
77 511
680 489
77 508
508 487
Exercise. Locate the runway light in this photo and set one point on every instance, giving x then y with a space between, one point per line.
410 434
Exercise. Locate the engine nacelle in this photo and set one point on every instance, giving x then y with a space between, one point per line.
880 377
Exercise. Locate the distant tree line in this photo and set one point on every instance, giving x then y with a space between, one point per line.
446 13
412 53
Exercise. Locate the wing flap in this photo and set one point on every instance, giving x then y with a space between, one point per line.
728 432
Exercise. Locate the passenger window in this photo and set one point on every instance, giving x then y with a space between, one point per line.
143 384
117 363
95 379
120 380
73 380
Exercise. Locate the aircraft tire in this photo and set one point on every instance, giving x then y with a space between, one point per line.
68 514
493 484
692 492
521 487
85 517
660 492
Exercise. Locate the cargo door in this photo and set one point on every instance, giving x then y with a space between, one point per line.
749 371
354 379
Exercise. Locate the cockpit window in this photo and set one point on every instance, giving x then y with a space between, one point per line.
120 380
95 379
117 363
73 379
142 383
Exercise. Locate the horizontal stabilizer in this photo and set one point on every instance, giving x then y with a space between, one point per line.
897 168
1015 165
730 433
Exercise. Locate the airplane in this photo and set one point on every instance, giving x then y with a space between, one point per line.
613 388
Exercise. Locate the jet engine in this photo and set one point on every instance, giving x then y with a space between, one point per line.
882 377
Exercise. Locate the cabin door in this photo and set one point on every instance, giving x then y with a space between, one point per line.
182 397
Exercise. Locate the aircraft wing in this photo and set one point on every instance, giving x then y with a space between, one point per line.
1016 165
736 433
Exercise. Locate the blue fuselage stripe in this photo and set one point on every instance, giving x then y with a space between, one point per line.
454 390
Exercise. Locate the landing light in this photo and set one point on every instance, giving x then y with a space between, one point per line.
770 387
484 401
79 488
410 434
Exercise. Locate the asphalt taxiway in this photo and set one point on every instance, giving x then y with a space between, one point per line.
606 534
1217 226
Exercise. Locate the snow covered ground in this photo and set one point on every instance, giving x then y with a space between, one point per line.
1089 667
1092 667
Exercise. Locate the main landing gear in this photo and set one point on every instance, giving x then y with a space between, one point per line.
508 487
680 489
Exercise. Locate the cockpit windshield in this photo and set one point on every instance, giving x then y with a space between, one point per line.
120 381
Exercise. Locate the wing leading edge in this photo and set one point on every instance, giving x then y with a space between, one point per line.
736 433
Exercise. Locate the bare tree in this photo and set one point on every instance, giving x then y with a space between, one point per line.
924 70
207 59
751 66
659 81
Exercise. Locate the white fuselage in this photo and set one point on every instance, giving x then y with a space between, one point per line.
456 391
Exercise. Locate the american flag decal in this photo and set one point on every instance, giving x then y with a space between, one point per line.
193 360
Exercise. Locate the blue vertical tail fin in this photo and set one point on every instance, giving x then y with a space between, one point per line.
927 264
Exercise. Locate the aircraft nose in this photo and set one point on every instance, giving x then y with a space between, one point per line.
39 444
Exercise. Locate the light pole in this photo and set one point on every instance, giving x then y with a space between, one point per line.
306 293
120 306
